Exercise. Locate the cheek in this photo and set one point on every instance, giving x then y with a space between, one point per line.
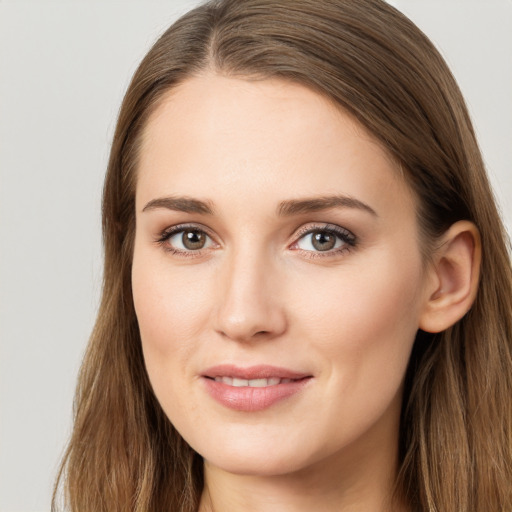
361 325
169 305
170 313
366 318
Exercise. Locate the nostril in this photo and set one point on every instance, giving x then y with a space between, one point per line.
247 336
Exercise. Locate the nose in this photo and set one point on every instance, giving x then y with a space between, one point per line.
249 307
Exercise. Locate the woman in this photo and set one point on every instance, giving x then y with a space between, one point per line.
307 295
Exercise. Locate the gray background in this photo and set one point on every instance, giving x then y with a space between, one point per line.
64 66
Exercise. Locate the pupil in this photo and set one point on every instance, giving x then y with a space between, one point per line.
323 241
193 240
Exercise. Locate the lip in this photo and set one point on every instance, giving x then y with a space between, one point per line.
261 371
252 399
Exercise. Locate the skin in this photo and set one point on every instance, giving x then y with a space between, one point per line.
260 293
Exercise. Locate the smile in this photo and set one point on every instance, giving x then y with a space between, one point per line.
253 383
252 389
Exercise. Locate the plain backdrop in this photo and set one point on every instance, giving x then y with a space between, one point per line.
64 66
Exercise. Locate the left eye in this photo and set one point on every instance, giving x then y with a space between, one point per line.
189 240
322 240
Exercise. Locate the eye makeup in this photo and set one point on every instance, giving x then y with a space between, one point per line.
312 240
194 240
324 240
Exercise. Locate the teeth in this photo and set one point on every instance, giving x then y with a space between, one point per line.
259 383
253 383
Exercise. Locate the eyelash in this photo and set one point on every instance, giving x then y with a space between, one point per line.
348 239
164 237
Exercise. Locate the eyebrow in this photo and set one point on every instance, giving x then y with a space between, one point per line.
316 204
180 204
286 208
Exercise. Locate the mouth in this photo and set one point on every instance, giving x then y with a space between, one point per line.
252 383
252 389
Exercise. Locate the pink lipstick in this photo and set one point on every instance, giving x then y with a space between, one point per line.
254 388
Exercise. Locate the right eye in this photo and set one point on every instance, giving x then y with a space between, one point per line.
186 240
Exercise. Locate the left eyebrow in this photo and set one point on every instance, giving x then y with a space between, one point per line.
316 204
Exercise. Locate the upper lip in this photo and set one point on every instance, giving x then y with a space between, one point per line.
262 371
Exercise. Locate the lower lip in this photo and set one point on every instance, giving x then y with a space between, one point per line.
249 399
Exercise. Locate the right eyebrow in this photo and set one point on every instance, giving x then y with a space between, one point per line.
180 204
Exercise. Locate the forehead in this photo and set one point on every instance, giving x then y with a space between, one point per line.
224 138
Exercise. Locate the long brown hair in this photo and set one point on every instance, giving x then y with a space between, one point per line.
456 425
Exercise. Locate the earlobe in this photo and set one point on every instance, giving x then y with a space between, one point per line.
455 275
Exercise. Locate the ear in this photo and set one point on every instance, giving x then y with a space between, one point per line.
454 277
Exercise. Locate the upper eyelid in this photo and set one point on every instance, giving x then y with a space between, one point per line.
350 240
187 226
304 229
164 235
309 228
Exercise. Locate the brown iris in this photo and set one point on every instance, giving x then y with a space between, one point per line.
193 240
323 240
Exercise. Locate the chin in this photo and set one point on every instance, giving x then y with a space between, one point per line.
257 455
263 465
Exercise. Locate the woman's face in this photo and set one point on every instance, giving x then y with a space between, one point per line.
277 276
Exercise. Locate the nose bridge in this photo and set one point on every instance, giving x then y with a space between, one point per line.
248 305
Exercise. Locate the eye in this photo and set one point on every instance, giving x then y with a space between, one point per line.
180 239
327 239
